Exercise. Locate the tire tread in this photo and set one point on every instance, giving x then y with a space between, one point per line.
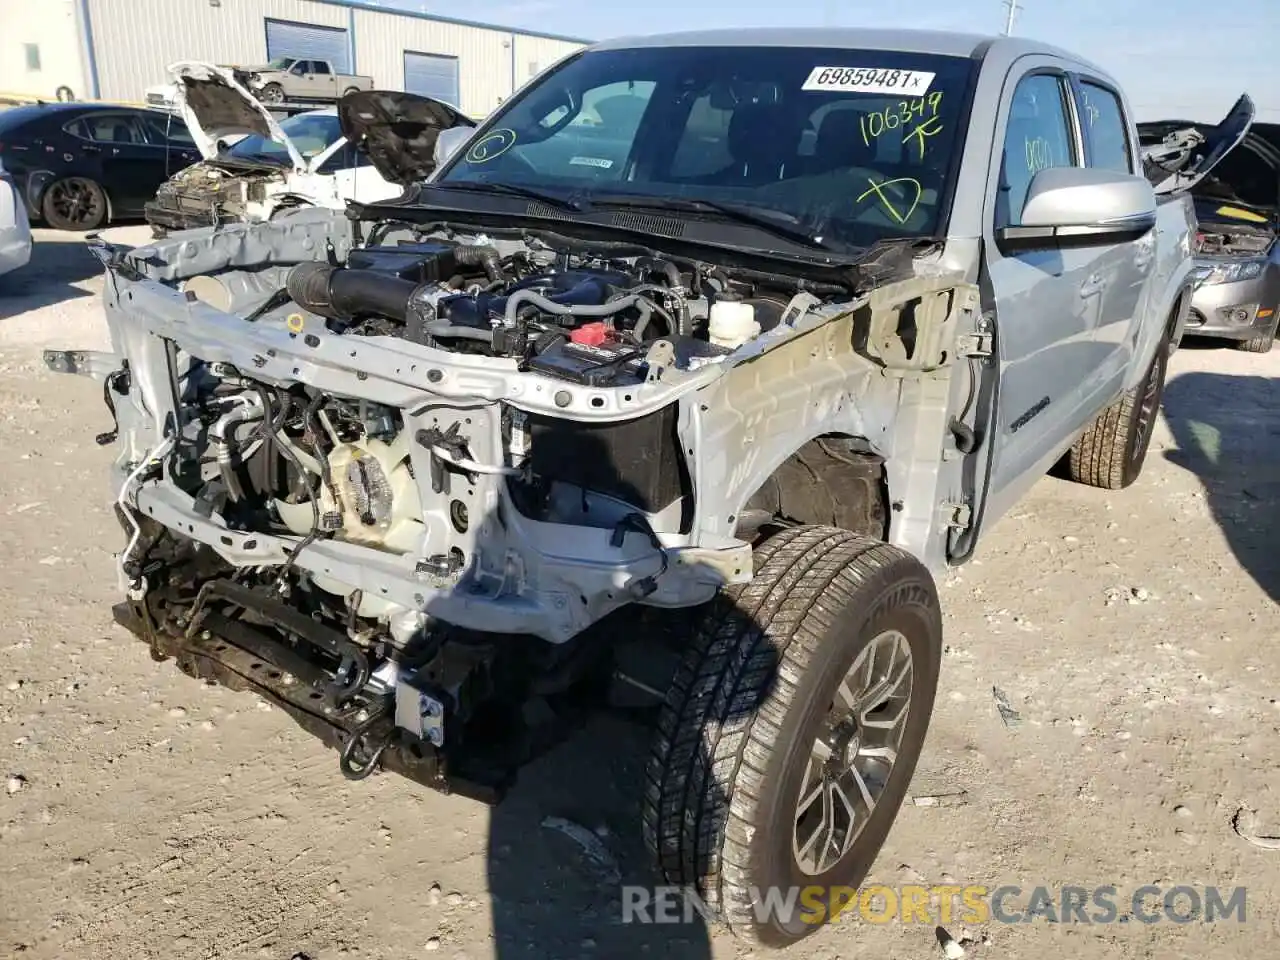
719 727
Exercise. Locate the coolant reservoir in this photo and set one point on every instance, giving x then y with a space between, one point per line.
732 323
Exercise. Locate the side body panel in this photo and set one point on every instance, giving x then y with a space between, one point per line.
1072 327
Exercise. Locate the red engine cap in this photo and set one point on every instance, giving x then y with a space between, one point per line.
591 334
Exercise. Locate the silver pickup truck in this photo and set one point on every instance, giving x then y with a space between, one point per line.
295 79
672 388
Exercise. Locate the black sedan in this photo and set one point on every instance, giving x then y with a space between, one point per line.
81 165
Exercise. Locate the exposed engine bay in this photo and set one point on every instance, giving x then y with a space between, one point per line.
1233 240
580 317
399 479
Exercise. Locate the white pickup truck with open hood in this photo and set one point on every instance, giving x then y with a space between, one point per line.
273 165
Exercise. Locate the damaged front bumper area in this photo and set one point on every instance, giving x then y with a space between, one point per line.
1237 275
406 532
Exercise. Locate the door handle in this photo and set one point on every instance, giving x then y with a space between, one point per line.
90 148
1094 285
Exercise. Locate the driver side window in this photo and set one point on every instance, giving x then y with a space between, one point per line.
1038 136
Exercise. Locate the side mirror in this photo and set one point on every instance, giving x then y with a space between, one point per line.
449 141
1079 206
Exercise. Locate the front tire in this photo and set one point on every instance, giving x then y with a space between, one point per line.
1111 452
765 728
272 93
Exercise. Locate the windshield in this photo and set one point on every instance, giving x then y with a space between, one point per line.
855 144
282 63
311 134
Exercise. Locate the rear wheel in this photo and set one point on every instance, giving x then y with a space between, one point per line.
74 204
1111 452
350 90
790 735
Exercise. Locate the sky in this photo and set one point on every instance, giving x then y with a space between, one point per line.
1177 59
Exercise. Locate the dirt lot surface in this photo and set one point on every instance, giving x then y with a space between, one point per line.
1134 634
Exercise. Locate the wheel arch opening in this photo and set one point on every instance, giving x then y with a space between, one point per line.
833 480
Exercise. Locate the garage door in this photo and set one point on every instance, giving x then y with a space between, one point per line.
431 75
307 41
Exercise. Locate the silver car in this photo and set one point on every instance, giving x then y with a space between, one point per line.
1237 269
15 228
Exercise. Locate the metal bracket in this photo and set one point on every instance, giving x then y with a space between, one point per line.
974 345
95 364
959 515
931 308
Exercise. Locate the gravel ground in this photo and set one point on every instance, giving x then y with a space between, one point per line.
1134 634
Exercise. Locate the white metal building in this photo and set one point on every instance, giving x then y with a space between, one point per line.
115 49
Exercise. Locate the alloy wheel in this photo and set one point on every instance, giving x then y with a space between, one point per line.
851 760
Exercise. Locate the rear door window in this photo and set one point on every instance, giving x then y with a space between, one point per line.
1106 129
167 131
107 128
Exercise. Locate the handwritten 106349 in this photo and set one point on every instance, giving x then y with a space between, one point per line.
917 119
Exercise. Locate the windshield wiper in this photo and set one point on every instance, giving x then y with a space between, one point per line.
514 190
759 217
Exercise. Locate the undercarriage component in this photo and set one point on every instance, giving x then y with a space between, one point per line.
440 723
243 660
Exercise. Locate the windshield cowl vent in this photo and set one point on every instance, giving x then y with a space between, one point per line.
645 223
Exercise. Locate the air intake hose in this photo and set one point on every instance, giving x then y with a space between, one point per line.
485 257
342 294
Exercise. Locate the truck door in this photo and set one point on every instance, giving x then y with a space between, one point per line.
1046 301
1124 268
322 81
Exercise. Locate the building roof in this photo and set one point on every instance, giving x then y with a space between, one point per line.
373 6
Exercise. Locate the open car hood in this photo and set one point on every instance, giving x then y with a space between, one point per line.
215 104
1178 154
397 130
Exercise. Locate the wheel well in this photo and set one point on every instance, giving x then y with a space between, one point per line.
831 480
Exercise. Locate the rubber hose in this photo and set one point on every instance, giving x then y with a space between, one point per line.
588 311
486 257
340 294
666 267
250 408
443 328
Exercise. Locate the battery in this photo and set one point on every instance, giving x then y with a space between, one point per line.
605 365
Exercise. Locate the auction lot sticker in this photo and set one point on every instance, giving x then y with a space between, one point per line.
869 80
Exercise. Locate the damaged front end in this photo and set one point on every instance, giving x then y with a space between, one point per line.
210 194
398 478
1232 172
274 165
